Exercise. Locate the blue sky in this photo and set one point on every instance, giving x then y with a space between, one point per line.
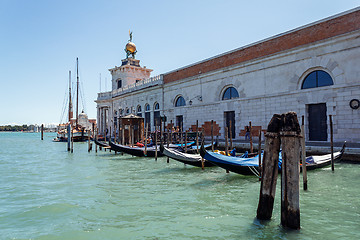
41 39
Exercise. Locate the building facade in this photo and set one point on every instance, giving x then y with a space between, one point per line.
313 70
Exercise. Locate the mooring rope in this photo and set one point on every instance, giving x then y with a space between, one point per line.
254 171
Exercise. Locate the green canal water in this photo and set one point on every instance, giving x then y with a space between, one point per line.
48 193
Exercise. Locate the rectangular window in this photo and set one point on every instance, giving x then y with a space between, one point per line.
119 84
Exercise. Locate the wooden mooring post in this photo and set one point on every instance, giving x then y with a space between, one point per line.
290 171
171 130
89 143
332 143
115 135
72 141
212 135
230 134
105 138
168 142
226 141
110 135
197 136
156 141
186 137
123 135
303 154
202 143
93 130
181 137
226 144
283 128
259 150
69 137
42 131
96 137
115 126
161 132
146 138
251 141
269 169
132 135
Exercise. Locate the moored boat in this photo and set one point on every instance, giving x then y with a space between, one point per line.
80 125
196 149
186 158
250 166
136 151
313 162
101 143
77 135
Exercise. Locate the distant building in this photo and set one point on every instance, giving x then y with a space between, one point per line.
312 70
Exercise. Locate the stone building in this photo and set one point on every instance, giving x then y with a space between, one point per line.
312 70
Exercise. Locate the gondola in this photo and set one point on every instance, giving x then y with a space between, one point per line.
101 143
186 158
135 151
250 166
194 149
313 162
179 145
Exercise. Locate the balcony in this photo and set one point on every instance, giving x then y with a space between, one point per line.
104 96
149 82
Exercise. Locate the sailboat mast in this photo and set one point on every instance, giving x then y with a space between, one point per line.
70 102
77 91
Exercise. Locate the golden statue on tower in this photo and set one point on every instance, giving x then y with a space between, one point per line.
130 47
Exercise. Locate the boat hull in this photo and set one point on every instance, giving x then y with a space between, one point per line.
250 166
190 159
135 151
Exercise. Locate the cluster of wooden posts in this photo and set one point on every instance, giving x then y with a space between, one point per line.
284 131
161 135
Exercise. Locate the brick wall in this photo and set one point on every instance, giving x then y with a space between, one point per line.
317 32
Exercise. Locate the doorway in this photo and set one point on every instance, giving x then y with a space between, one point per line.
230 123
179 122
147 121
317 122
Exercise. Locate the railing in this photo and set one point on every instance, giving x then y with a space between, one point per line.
104 95
153 81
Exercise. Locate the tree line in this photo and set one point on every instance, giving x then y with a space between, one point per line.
17 128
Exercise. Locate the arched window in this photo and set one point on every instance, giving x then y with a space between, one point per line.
230 93
180 101
127 110
121 111
147 116
157 106
316 79
156 114
138 111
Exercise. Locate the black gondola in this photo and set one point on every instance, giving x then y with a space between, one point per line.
101 144
135 151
